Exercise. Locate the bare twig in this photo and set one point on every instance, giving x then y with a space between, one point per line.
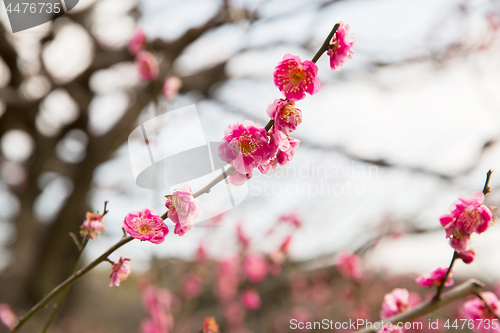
445 278
69 281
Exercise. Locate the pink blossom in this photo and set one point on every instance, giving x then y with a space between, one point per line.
234 313
251 299
7 316
340 49
201 254
183 208
137 42
435 277
92 225
286 116
146 225
269 166
171 87
475 309
238 179
243 239
467 256
349 265
395 302
156 299
466 217
245 146
193 286
391 329
210 325
255 267
292 218
286 155
121 270
147 66
294 78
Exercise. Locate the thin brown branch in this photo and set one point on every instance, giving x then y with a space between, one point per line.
470 287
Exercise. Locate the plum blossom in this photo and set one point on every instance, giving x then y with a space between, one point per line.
435 277
92 225
138 42
467 256
395 302
349 265
251 299
476 309
147 66
286 155
183 208
146 225
238 179
245 146
255 267
294 78
340 49
286 116
171 87
7 316
466 217
120 271
243 239
210 325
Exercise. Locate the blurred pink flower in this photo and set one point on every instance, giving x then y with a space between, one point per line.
286 116
475 309
120 271
7 316
294 78
292 218
349 265
435 277
243 239
340 49
171 87
201 254
255 267
227 279
92 225
395 302
146 225
183 208
467 256
210 325
251 299
245 146
193 286
234 313
138 42
147 66
302 315
155 299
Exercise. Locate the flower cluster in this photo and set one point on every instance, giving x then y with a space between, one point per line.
247 145
467 216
